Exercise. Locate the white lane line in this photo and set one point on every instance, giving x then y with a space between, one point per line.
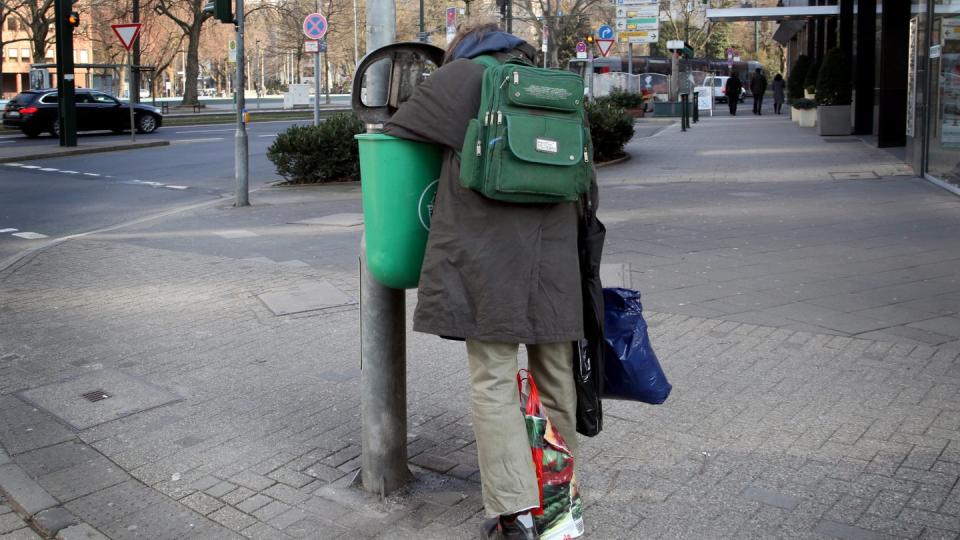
14 164
90 174
30 166
7 142
30 235
270 135
48 169
204 131
70 172
181 141
8 230
176 187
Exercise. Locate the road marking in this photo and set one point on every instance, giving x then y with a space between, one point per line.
196 140
8 230
177 187
90 174
204 131
14 164
6 142
270 135
70 172
30 235
237 233
30 166
48 169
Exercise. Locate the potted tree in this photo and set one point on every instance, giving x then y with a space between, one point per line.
834 94
795 83
806 111
632 102
810 81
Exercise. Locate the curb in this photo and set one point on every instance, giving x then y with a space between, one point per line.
41 510
81 151
612 162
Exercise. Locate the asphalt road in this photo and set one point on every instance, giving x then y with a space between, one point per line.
50 198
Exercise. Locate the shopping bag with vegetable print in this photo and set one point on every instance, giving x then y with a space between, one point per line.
560 515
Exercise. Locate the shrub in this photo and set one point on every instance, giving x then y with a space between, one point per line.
625 99
803 104
610 128
810 79
833 80
319 154
797 74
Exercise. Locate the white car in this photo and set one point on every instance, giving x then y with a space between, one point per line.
720 88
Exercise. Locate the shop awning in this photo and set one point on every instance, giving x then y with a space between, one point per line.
771 13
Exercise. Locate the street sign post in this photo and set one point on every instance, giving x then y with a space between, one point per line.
128 34
581 50
605 32
638 21
315 27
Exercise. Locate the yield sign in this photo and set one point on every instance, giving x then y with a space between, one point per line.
604 46
127 33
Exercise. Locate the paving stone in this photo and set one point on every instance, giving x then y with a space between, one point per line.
80 532
22 491
202 503
232 518
771 497
290 478
50 521
253 503
237 495
220 489
11 522
846 532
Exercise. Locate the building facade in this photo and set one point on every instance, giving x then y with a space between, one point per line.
17 56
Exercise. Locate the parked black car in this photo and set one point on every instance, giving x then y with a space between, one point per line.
35 111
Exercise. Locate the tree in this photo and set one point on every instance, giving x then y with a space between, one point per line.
687 21
566 21
36 20
7 10
189 16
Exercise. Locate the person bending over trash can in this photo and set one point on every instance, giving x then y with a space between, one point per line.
497 274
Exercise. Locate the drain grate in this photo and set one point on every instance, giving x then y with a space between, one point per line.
96 395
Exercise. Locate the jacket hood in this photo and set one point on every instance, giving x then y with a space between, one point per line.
491 42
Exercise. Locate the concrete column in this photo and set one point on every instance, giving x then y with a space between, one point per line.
864 66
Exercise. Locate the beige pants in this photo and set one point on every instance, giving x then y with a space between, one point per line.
507 475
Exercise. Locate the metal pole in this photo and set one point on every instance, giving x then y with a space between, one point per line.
135 76
630 58
133 129
356 38
242 161
383 361
316 88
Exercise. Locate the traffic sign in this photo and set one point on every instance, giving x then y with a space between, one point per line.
639 36
581 46
127 33
605 32
604 45
232 51
315 26
310 46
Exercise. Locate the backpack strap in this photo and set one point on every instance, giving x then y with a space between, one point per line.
487 61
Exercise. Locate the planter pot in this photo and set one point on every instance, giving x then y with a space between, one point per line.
833 119
636 113
809 95
672 108
808 117
794 114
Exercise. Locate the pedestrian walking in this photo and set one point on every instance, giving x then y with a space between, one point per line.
496 275
758 86
733 89
778 85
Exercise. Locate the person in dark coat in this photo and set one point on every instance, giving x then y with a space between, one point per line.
733 89
496 274
778 85
758 86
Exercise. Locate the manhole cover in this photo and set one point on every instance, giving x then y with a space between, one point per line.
866 175
96 395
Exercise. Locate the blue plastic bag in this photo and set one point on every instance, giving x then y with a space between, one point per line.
631 368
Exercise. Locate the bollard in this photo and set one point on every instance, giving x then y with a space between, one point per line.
696 107
683 112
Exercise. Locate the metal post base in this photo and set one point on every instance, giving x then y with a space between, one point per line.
383 380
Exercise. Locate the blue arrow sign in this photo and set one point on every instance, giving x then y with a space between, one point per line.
605 32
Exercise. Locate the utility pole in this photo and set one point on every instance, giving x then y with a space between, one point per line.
67 112
383 360
242 156
135 62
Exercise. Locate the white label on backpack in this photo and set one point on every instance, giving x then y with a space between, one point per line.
546 145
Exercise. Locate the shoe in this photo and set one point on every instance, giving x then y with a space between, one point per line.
498 529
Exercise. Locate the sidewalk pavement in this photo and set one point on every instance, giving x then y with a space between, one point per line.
802 294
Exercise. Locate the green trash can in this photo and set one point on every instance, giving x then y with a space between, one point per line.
398 180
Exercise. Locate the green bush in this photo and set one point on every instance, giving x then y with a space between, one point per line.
797 74
833 81
803 104
625 99
319 154
610 128
810 79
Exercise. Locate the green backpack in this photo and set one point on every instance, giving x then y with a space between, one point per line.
530 142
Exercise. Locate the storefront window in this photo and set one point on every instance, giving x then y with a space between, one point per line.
943 159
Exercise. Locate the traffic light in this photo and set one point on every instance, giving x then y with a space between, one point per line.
222 10
73 19
589 39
